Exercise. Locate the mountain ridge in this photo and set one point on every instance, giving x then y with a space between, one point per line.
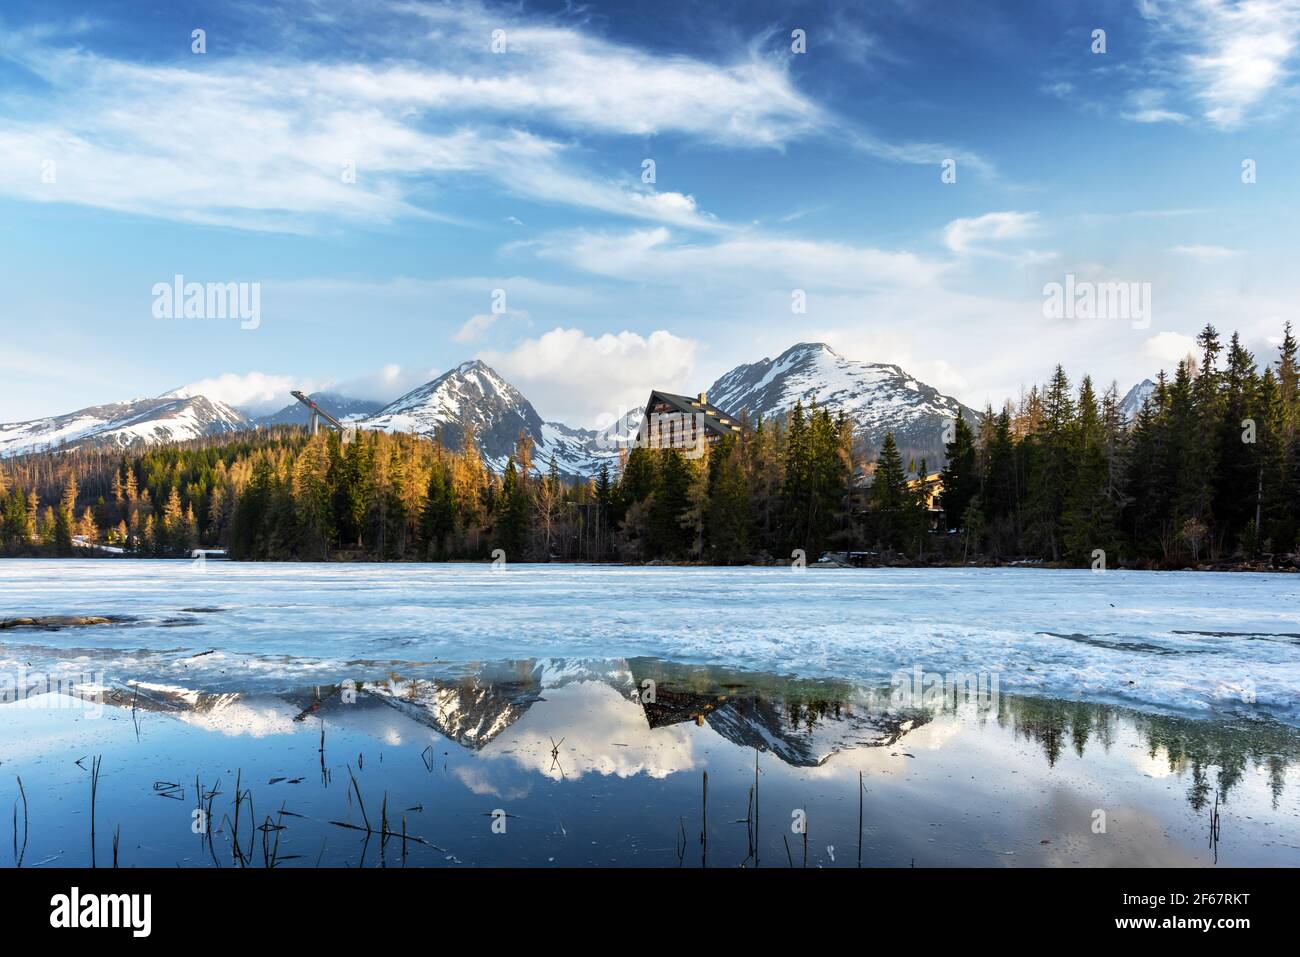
879 397
170 417
472 396
342 407
475 396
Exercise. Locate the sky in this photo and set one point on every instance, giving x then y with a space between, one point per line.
600 199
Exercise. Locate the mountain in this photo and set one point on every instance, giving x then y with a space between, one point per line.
171 417
1131 404
879 397
342 407
769 713
473 395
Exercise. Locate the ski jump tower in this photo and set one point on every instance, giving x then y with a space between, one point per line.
347 432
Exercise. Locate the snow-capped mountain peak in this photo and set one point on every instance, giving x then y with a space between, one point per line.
473 394
1133 399
170 417
878 397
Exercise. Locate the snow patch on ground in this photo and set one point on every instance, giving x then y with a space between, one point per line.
1190 642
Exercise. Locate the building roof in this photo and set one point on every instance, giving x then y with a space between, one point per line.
715 419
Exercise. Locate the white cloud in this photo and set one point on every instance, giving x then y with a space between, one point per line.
254 391
475 327
575 378
1155 116
260 141
973 234
1205 254
1147 106
655 255
1232 55
386 383
586 82
1169 347
261 392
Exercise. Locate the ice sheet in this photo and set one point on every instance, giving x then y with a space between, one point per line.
1188 642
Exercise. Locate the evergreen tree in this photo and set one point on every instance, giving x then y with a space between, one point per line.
1050 462
960 476
1091 519
319 462
604 495
65 521
727 516
438 517
511 525
667 536
890 505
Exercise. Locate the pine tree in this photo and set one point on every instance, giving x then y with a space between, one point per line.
796 480
1050 461
438 517
511 525
667 535
86 526
47 530
1090 520
395 515
19 523
918 526
313 497
1288 381
727 516
889 496
66 520
960 476
604 510
252 510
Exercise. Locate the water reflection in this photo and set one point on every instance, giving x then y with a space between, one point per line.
1224 749
617 750
619 717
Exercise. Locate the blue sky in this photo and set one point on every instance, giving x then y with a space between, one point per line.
522 171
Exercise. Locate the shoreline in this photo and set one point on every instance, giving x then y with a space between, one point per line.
1291 565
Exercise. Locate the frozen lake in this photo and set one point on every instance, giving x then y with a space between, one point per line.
1132 719
1192 643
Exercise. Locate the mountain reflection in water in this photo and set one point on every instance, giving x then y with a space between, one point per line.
602 762
802 722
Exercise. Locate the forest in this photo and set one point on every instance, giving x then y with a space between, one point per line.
1208 471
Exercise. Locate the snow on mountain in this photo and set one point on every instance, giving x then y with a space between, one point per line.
1131 404
342 407
878 397
171 417
473 395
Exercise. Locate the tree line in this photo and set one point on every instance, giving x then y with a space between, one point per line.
1208 469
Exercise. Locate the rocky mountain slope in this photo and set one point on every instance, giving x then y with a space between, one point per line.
342 407
171 417
474 396
1131 404
879 397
